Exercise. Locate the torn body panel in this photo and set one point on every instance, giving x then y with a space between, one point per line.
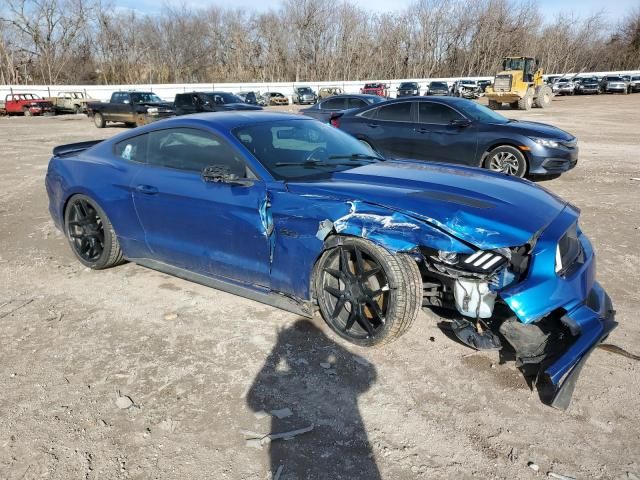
303 223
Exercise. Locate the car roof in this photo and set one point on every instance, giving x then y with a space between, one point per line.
352 95
446 100
223 120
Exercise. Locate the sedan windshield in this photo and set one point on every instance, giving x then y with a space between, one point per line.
297 149
481 113
438 85
145 98
615 79
409 85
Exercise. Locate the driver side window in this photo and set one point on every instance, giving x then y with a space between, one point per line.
193 150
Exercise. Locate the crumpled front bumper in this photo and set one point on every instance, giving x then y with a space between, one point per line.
592 322
588 311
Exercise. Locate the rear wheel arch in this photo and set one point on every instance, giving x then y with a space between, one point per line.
104 252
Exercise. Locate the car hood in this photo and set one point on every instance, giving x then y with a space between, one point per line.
534 129
482 208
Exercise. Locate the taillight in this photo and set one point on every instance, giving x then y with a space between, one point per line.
335 122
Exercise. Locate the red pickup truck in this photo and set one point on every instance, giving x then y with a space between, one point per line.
26 104
379 89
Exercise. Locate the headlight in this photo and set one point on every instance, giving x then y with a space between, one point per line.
152 110
480 263
545 142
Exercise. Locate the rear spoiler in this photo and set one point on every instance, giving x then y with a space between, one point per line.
69 148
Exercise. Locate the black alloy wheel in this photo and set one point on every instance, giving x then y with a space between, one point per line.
85 230
90 234
366 294
357 289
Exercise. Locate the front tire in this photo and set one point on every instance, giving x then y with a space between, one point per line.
526 102
543 100
494 104
90 234
508 160
26 112
367 295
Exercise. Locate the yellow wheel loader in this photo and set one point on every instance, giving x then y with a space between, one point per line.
519 84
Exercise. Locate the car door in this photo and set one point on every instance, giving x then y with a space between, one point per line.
209 228
448 135
120 109
389 129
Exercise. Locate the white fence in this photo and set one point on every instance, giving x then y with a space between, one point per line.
168 91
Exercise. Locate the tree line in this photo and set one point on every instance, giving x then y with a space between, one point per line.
88 42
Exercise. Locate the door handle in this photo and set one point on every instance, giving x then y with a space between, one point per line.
147 189
372 125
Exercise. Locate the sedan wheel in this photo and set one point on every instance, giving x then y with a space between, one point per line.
366 294
507 160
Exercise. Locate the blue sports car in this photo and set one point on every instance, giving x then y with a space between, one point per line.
297 214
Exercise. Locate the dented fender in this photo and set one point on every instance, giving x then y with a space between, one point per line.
304 223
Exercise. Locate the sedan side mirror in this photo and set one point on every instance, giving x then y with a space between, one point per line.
460 123
222 174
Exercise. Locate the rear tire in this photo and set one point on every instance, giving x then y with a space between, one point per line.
367 295
506 159
99 120
494 104
90 234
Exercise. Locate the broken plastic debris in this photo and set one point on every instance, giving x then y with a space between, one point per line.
123 402
324 228
259 439
282 413
559 476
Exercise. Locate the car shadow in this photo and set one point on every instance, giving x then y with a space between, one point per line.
319 382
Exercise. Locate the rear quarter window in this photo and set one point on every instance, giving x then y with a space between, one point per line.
132 149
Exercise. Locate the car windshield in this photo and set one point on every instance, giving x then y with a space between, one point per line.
304 90
589 80
409 85
303 149
438 85
145 98
372 85
222 97
635 77
614 79
481 113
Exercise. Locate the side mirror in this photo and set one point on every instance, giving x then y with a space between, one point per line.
222 174
460 123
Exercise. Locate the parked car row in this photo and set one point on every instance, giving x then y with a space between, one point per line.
595 85
29 104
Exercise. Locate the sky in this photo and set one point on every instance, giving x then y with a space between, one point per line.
614 11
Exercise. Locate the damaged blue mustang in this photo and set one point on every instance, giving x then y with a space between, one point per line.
293 213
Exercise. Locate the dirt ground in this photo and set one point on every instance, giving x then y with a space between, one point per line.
130 373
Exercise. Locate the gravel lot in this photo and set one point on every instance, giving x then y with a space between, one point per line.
129 373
